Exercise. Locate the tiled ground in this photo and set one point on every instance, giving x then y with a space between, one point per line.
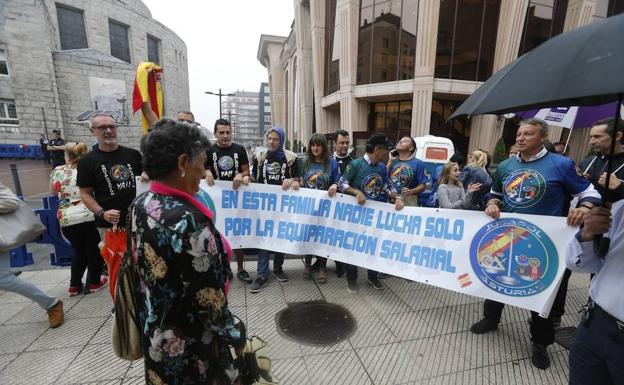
408 334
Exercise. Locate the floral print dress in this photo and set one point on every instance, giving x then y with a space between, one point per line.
183 264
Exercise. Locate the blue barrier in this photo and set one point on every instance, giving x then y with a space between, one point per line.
21 151
63 252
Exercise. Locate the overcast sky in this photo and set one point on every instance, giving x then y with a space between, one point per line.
222 43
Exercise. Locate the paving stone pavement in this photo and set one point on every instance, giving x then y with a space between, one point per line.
408 334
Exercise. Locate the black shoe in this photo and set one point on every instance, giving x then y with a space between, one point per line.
376 283
244 276
339 269
539 357
352 287
483 326
556 321
17 273
257 286
280 275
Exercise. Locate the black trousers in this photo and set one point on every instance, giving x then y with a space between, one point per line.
542 330
322 262
84 239
352 273
597 355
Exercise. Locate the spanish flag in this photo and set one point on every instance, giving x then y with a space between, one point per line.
147 86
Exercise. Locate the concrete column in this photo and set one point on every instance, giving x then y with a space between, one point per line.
486 130
352 112
424 67
317 36
579 13
305 109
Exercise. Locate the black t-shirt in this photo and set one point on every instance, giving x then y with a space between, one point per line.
225 163
112 177
343 162
274 170
57 156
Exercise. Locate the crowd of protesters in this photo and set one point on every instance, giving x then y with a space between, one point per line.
96 189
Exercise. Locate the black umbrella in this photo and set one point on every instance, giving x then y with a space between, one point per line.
582 67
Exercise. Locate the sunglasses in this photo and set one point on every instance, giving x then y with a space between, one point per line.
103 127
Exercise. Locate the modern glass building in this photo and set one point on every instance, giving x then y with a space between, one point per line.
403 66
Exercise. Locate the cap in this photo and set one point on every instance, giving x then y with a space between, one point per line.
378 139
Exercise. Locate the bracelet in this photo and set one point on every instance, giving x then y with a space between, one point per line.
586 205
100 214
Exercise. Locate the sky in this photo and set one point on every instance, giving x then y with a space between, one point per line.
222 40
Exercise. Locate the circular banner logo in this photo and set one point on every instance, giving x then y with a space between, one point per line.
514 257
225 163
401 176
372 186
316 180
524 188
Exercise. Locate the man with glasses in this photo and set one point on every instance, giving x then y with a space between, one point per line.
106 175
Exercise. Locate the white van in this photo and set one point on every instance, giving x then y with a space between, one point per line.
434 151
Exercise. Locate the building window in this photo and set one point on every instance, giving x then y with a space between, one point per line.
153 49
8 112
544 20
120 45
457 130
467 32
332 60
71 27
390 117
4 67
387 40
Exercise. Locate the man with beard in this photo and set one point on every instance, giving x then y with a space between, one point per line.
276 166
106 175
228 161
595 166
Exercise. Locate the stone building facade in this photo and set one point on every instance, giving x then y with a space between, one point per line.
70 58
402 66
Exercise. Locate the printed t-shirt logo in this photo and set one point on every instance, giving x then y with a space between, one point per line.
372 186
401 175
225 163
514 257
120 173
524 188
274 168
316 179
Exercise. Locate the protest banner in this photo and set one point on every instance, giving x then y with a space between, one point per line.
517 259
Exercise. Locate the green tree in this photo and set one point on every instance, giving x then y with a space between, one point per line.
500 152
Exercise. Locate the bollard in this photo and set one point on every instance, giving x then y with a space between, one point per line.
16 180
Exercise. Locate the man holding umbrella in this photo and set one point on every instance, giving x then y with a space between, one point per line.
546 179
595 166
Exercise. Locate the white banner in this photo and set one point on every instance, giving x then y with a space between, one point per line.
517 260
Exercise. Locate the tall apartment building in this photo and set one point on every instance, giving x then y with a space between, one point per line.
264 109
61 61
243 112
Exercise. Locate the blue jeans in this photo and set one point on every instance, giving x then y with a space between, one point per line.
263 262
9 282
597 355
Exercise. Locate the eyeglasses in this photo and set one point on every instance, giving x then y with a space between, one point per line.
104 127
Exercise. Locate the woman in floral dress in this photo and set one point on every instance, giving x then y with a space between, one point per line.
184 266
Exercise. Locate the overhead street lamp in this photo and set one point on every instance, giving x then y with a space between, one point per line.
220 94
